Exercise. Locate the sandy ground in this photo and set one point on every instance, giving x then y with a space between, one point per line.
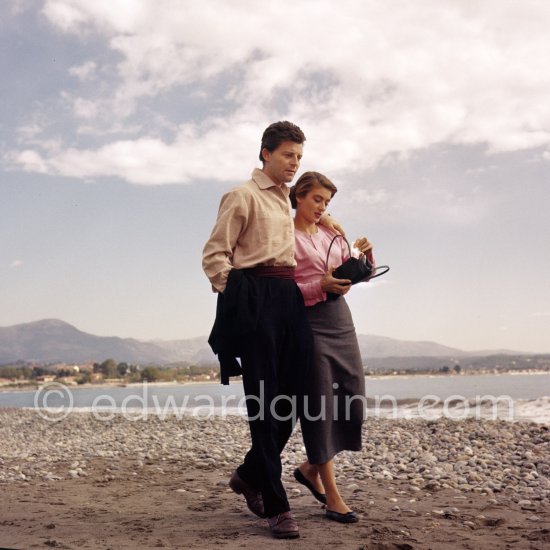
194 508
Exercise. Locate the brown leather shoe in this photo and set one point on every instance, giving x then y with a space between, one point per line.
283 526
253 498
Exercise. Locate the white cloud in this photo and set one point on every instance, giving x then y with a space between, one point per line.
152 161
480 170
19 6
363 79
31 161
372 197
86 109
66 15
16 264
373 283
541 314
28 132
85 71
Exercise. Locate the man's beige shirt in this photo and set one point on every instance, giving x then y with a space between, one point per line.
254 227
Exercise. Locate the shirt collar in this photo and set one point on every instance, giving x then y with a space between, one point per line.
265 182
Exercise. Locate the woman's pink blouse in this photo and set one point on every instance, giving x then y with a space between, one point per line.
311 253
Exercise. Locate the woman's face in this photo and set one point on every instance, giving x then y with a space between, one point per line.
311 206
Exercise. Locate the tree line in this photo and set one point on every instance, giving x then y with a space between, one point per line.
110 370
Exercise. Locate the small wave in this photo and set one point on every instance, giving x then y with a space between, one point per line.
481 407
428 408
533 410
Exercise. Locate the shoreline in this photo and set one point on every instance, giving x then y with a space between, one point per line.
392 397
121 383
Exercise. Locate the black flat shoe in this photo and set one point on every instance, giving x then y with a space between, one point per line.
300 478
350 517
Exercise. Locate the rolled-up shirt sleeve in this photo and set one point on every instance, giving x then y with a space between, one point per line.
217 258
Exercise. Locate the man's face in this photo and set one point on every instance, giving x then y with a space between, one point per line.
282 164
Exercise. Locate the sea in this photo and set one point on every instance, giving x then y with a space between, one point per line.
513 397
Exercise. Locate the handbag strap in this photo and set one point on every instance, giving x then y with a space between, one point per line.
386 268
331 243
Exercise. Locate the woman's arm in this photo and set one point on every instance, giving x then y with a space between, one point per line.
316 291
365 246
312 292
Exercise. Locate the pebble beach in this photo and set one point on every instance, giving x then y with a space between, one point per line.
84 482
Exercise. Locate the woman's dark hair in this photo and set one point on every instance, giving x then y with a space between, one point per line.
308 181
278 132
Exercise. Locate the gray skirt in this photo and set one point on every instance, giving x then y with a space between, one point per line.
334 402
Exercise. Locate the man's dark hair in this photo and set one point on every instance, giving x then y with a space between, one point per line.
278 132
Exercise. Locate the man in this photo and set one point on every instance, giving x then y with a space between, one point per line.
260 317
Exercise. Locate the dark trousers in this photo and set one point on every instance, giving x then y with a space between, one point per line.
275 359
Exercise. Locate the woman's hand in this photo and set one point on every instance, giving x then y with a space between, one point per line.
336 286
363 244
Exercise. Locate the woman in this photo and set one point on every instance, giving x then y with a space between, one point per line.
332 417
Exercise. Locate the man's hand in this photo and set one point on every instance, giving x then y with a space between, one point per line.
332 223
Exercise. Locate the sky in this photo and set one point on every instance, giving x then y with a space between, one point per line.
123 122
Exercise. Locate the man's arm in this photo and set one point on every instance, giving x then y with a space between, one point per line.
217 254
332 223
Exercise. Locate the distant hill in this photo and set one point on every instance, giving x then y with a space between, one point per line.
381 346
55 340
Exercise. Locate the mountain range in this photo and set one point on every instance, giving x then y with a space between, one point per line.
52 340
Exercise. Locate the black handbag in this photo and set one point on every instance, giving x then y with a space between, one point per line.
354 269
